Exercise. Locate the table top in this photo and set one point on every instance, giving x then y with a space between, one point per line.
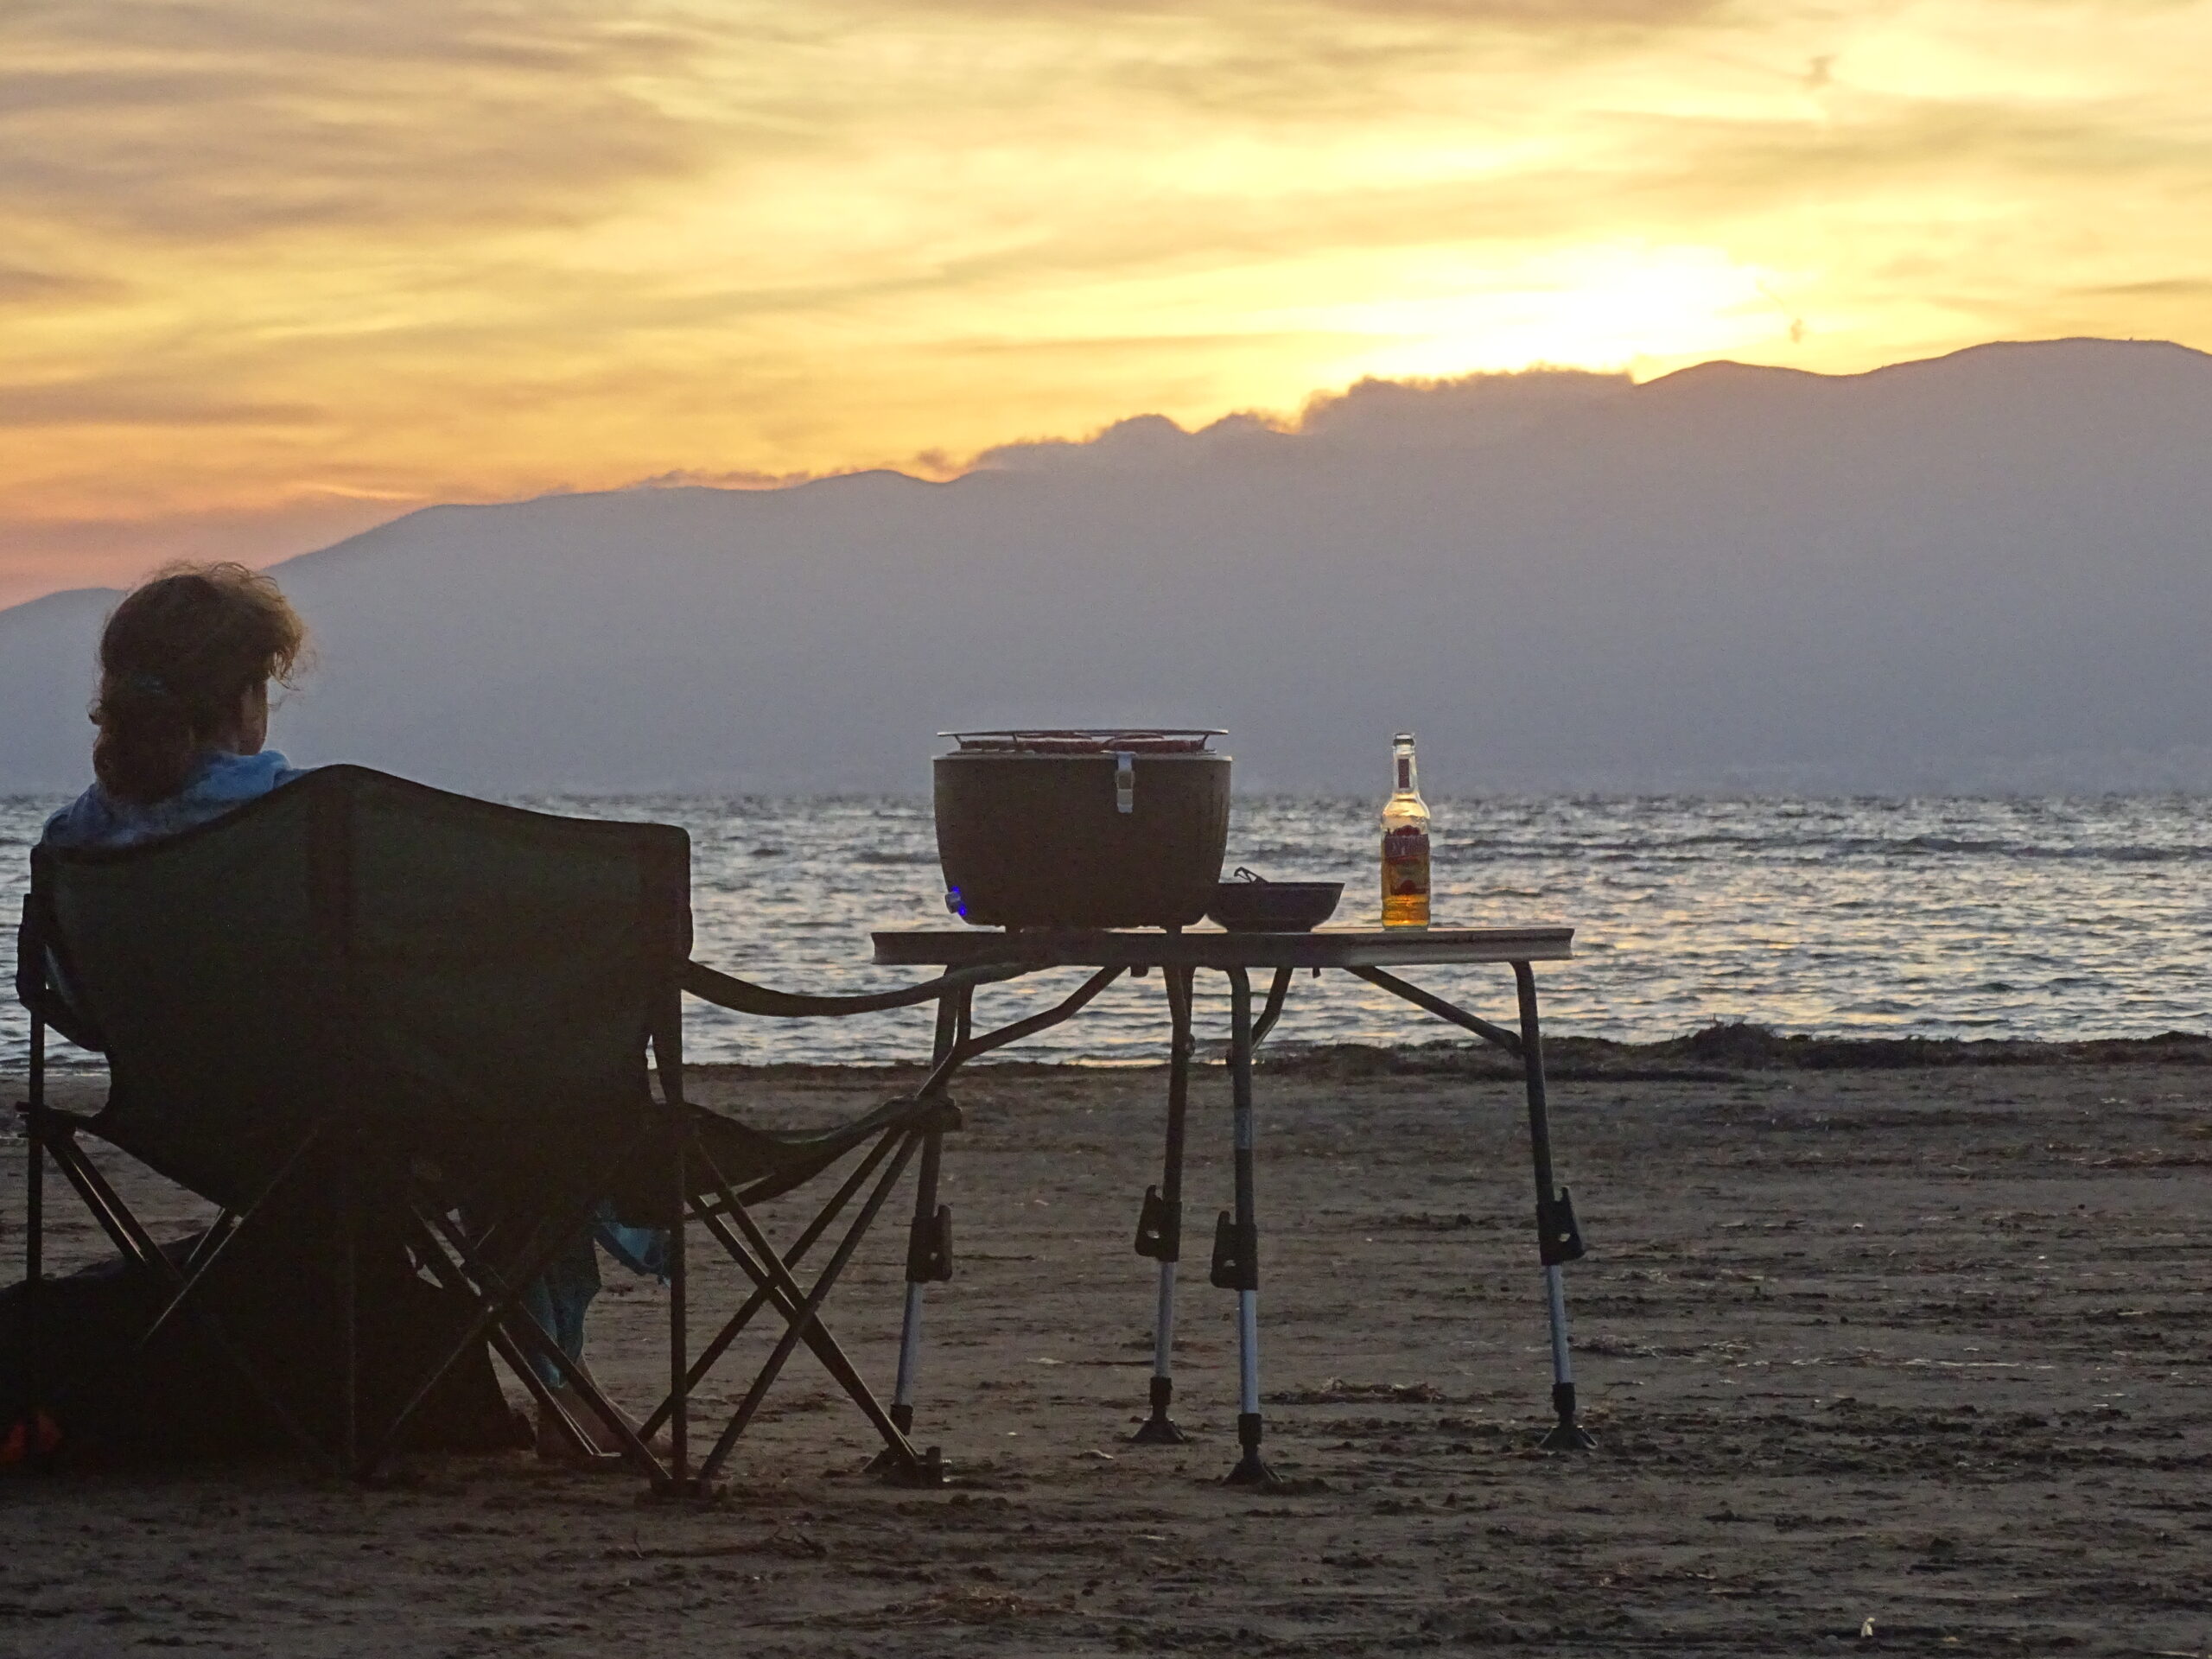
1211 947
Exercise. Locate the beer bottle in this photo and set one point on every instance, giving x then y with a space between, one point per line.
1405 844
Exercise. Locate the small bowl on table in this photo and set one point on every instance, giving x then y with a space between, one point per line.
1256 905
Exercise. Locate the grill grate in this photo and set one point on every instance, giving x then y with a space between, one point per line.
1144 740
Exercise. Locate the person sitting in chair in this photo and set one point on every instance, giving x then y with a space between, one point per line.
185 663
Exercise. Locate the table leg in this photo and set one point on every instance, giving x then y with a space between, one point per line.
952 1016
1159 1225
1235 1251
1558 1239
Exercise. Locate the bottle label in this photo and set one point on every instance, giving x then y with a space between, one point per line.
1405 862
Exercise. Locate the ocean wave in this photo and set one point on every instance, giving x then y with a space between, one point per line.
2047 919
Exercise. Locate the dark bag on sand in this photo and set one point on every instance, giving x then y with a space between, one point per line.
107 1400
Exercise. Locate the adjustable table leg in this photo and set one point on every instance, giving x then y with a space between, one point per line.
1159 1227
929 1241
927 1258
1236 1251
1558 1239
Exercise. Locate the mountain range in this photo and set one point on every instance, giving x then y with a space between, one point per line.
1988 570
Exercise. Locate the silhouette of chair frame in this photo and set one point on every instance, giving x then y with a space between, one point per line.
438 1011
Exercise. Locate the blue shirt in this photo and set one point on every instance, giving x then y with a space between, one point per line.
217 783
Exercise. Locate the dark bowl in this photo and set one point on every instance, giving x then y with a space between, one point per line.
1274 907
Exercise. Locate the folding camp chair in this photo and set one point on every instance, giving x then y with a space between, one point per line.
417 1025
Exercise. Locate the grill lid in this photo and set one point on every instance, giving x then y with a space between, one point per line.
1114 740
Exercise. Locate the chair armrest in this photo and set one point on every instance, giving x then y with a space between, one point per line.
725 992
39 980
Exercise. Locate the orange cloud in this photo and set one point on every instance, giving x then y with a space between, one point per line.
269 269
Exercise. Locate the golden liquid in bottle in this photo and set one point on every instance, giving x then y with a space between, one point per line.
1405 844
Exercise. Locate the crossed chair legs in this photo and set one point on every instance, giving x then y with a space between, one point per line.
53 1136
720 1206
437 1245
722 1211
492 1266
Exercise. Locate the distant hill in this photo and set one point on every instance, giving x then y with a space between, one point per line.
1991 570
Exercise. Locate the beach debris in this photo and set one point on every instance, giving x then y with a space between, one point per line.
1289 1486
1457 1221
1337 1391
1866 1630
954 1604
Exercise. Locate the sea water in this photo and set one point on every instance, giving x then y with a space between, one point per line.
2052 919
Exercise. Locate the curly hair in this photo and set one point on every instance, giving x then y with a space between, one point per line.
176 658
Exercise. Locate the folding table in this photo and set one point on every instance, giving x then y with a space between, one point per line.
1366 953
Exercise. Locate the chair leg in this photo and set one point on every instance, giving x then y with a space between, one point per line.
204 1260
802 1321
752 1254
433 1258
549 1404
735 1325
679 1325
136 1246
218 1230
498 1295
130 1240
36 1426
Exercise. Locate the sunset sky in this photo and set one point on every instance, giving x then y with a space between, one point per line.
271 272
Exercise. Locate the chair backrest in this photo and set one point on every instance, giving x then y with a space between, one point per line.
451 978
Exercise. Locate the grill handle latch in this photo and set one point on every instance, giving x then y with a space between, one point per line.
1125 782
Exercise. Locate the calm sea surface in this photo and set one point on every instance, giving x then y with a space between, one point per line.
2026 917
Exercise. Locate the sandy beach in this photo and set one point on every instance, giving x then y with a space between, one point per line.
1882 1355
